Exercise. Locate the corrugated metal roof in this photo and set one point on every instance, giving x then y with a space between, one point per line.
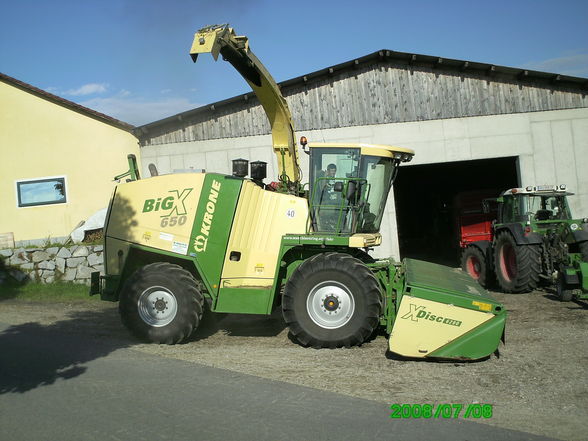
410 61
66 103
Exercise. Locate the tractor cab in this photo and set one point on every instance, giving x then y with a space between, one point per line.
349 185
535 204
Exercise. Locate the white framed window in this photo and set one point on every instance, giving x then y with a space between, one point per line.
41 191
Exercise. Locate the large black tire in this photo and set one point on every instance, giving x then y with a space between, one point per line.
332 300
584 250
474 263
161 303
517 266
564 293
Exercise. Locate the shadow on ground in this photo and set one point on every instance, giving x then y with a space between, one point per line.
551 294
239 325
10 290
34 355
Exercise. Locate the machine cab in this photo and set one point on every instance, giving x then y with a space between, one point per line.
349 185
540 203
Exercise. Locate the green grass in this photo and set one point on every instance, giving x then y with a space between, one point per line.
46 245
52 292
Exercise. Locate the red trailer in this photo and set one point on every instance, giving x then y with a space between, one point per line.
474 230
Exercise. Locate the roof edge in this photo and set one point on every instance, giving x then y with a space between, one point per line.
67 104
410 59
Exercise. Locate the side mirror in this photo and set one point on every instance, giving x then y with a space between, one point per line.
338 187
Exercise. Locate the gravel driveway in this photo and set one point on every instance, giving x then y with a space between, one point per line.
539 384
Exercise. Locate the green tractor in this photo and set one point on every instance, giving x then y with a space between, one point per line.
528 236
572 280
181 244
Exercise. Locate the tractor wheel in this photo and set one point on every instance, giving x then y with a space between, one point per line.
332 300
517 266
161 303
563 292
474 262
584 250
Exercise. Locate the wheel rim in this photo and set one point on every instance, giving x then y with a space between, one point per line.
508 262
157 306
474 267
330 305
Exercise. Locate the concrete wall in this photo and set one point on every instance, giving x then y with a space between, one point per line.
40 139
552 148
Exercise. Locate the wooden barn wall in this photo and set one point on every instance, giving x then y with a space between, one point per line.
373 93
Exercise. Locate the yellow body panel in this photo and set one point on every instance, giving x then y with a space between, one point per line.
205 42
114 260
261 219
361 240
422 326
157 212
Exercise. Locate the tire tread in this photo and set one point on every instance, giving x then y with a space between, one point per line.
338 262
187 319
528 260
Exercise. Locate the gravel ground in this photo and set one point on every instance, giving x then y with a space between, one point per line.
539 384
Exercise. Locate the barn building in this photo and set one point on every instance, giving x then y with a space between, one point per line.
473 126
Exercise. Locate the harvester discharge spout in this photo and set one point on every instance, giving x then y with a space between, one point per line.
221 39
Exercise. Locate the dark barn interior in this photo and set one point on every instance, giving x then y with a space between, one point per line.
424 197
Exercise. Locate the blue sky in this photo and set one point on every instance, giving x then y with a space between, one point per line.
129 58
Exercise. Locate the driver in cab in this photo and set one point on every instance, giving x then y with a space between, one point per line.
329 183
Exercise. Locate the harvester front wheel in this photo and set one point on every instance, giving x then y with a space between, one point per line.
474 262
161 303
332 300
517 266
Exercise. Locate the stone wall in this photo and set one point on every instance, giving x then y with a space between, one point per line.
47 265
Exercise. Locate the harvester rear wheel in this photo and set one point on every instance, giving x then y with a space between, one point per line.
474 262
517 266
332 300
161 303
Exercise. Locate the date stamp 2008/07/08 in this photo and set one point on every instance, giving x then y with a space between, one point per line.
444 410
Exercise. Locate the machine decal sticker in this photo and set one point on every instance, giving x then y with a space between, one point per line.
166 236
201 240
170 204
180 247
420 312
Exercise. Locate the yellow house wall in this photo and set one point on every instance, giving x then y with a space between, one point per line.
41 139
